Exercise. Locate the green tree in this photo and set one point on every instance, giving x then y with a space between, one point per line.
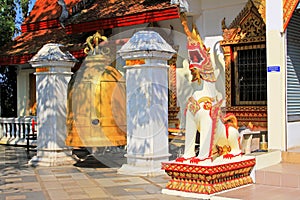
25 7
9 17
12 12
7 20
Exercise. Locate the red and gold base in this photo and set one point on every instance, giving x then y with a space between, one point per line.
208 179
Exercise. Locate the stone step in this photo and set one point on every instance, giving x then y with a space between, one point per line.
291 156
280 175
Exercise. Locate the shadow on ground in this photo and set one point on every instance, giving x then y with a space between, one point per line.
101 157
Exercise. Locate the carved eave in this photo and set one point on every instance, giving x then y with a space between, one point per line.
261 7
289 7
247 27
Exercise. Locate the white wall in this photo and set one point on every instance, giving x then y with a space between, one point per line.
276 81
293 135
213 12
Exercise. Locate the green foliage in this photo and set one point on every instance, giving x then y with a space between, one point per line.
7 20
24 6
11 13
9 17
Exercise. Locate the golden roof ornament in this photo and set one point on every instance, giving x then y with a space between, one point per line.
93 45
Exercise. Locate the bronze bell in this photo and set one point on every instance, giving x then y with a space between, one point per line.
96 110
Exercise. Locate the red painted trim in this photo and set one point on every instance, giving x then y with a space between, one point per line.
208 169
227 130
214 114
18 59
78 54
129 20
133 19
40 25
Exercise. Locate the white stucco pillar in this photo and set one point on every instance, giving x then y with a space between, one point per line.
146 55
276 76
53 72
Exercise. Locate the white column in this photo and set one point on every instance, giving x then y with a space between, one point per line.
276 76
53 72
146 55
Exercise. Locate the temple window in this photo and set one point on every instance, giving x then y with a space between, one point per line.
250 75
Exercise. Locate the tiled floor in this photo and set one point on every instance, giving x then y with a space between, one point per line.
264 192
20 181
281 175
17 180
292 155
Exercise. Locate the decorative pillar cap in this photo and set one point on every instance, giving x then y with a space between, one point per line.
52 55
145 44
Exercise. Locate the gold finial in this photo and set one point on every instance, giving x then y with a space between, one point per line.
93 44
223 24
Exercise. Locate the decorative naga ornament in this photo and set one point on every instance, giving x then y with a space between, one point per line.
199 57
96 114
64 12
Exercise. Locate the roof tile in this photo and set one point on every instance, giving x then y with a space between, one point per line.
31 42
105 9
44 10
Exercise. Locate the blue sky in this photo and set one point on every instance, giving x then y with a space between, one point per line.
18 24
31 4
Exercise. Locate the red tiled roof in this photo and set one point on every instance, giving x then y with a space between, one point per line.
42 25
44 10
126 20
45 14
105 9
27 44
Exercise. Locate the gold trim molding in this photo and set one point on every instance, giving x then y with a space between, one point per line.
247 27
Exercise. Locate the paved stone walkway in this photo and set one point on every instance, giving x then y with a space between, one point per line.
99 181
95 181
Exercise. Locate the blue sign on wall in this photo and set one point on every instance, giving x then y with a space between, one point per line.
273 68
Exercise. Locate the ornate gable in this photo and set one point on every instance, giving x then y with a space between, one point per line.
248 30
247 27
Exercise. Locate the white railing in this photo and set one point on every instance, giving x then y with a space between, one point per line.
14 131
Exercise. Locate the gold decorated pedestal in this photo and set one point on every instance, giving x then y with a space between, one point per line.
208 179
